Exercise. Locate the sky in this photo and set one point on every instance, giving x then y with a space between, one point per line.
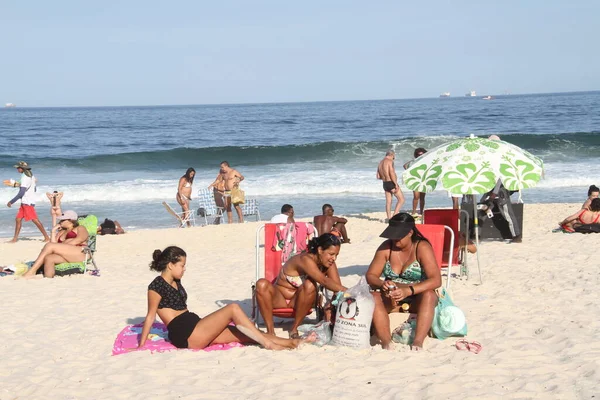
80 53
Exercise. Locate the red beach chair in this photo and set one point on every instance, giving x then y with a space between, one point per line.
269 270
452 219
436 235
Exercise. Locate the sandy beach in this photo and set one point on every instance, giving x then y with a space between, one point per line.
534 315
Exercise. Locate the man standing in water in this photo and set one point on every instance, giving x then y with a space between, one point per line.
26 194
387 173
231 179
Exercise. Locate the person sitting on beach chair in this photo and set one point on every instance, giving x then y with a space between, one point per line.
404 271
296 284
329 223
65 245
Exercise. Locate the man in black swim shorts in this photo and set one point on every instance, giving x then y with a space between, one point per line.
387 173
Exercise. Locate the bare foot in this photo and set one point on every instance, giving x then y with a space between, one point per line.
294 335
388 346
417 346
46 240
12 241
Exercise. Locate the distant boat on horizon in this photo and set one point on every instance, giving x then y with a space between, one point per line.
487 98
10 105
445 94
471 94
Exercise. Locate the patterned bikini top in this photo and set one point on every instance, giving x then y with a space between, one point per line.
169 296
411 275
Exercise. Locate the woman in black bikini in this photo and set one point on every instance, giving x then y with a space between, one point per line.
167 298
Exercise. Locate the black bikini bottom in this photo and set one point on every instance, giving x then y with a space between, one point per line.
181 327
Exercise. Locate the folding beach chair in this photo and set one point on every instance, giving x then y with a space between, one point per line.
182 217
90 223
270 269
458 221
208 208
250 207
436 236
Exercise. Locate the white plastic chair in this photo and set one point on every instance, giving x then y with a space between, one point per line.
182 217
208 208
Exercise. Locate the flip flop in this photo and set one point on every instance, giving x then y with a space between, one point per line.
473 347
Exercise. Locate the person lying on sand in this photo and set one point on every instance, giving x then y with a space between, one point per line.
404 270
582 217
296 285
110 227
168 299
67 237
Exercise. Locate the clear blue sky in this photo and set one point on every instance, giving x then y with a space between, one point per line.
80 53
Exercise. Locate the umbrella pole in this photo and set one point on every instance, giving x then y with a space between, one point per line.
476 225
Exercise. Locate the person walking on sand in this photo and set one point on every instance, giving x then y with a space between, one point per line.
387 173
231 179
184 192
27 189
419 197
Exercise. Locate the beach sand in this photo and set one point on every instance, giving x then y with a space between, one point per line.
535 316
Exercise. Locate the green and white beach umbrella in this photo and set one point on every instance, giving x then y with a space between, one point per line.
472 165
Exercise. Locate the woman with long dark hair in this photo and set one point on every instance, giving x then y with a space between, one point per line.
404 270
184 191
168 299
296 285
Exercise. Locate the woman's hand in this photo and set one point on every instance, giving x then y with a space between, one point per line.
56 228
400 294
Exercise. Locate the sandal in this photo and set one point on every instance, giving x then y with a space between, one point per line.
473 347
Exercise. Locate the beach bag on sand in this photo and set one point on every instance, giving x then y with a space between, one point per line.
448 320
322 330
354 315
238 196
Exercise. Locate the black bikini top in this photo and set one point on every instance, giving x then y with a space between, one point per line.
169 296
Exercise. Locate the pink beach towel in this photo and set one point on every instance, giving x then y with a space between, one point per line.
127 340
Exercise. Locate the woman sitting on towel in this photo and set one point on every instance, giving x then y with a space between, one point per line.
296 285
582 217
67 237
404 270
593 193
168 299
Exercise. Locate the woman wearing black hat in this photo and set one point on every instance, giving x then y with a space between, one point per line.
404 270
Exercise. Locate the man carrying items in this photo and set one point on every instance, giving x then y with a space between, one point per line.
27 189
387 173
231 179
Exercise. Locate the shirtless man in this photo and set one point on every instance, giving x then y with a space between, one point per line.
55 199
387 173
329 223
231 178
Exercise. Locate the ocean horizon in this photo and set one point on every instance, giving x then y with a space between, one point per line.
121 162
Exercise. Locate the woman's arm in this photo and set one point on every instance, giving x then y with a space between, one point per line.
376 267
82 237
311 269
216 182
586 205
153 300
426 258
572 217
54 234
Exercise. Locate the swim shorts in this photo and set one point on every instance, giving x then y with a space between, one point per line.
27 211
388 186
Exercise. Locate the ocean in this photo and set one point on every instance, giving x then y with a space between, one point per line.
123 162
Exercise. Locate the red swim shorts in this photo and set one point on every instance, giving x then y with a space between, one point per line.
27 211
